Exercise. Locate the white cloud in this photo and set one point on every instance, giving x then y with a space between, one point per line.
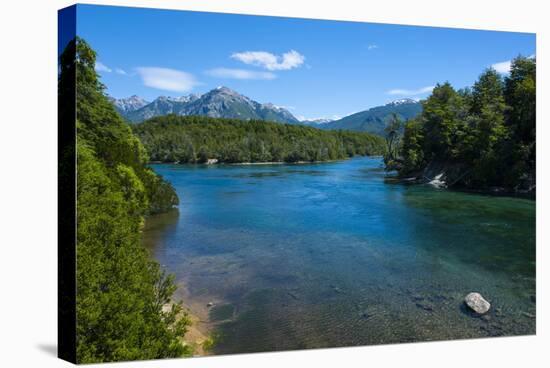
410 92
269 61
372 47
239 74
319 118
167 79
502 67
100 67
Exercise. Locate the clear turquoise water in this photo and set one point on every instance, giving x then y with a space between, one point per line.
337 254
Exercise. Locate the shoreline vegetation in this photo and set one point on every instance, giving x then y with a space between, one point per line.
198 338
478 139
122 293
250 163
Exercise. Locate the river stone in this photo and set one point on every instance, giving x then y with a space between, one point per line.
477 303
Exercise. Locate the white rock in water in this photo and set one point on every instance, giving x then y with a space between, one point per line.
437 181
477 303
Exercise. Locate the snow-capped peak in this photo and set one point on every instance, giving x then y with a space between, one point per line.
402 101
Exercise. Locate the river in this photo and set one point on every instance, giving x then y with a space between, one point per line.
339 254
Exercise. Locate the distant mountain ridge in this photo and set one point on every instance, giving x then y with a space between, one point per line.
374 120
315 122
220 102
132 103
223 102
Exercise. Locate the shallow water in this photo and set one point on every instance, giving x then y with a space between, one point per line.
335 254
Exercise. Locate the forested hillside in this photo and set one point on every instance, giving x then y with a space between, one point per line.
479 138
194 139
120 291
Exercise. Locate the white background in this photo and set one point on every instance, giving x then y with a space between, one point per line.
28 253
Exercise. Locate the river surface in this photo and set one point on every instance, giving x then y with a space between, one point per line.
338 254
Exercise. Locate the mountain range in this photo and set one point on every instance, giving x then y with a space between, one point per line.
374 120
220 102
315 122
223 102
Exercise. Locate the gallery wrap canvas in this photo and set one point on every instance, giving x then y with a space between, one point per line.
236 183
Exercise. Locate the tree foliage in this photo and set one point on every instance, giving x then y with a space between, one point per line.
195 139
121 294
487 131
393 139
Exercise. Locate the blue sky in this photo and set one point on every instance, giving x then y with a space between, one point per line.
315 68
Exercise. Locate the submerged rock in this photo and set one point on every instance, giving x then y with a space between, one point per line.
477 303
367 313
336 289
528 315
210 304
425 306
293 295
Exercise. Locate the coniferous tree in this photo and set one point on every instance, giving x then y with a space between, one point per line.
486 133
488 129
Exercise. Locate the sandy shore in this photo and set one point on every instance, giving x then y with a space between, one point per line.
200 329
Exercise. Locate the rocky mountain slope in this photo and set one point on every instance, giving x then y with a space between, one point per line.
220 102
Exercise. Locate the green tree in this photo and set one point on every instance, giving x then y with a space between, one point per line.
174 138
485 134
488 130
122 295
441 116
393 141
412 149
520 95
520 150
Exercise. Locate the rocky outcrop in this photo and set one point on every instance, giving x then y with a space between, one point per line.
438 181
444 174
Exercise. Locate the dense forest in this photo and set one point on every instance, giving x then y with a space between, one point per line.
120 291
195 139
479 138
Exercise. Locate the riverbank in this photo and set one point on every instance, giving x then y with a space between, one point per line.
247 163
492 192
258 163
198 335
442 174
200 331
203 312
